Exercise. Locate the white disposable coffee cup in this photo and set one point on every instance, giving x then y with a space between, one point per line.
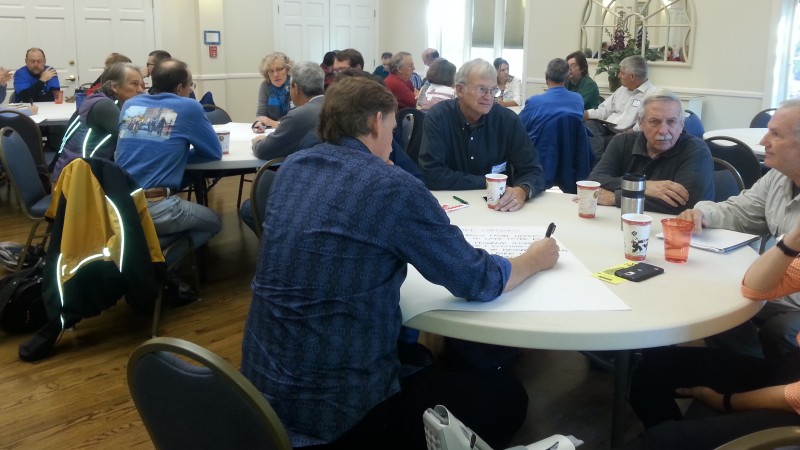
224 141
495 187
587 198
636 235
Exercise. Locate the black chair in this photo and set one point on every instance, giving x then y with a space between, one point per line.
692 124
761 119
217 115
32 135
260 192
20 167
739 155
406 129
415 140
727 181
202 403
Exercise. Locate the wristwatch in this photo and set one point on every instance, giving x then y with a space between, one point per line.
785 249
528 191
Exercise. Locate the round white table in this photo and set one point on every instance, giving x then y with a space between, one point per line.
51 113
689 301
241 150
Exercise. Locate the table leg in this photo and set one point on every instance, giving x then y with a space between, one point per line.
200 190
621 381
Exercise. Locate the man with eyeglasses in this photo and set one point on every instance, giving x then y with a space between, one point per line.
155 133
348 59
465 138
153 59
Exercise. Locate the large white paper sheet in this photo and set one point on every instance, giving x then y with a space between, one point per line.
568 286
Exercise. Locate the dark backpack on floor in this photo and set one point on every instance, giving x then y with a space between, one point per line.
21 304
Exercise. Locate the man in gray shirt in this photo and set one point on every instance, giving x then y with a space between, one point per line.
771 206
306 89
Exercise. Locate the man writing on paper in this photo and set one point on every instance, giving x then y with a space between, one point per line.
465 138
771 206
677 165
321 335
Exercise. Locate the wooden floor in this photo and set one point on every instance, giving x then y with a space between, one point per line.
79 398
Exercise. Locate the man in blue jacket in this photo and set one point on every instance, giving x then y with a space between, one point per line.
561 142
36 81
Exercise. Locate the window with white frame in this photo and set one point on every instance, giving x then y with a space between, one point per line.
467 29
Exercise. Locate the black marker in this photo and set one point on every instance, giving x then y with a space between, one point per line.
550 229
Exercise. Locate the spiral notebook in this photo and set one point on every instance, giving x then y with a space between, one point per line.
719 240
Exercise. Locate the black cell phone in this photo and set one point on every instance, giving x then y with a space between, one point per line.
639 272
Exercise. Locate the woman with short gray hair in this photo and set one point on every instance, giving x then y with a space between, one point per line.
273 95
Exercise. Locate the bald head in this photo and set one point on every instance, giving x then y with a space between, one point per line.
429 55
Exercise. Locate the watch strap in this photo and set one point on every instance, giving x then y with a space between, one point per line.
786 250
528 190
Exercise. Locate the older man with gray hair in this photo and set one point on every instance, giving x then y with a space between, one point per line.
619 111
469 136
298 127
401 68
771 206
677 165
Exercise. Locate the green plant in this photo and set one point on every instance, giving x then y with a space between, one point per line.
623 45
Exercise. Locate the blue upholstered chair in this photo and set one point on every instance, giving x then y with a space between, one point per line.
22 172
693 125
203 403
761 119
727 181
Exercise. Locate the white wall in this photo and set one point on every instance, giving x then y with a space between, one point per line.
729 66
732 47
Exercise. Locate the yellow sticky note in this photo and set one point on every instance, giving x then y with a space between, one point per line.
608 276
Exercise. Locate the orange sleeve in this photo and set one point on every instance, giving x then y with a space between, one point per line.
792 394
789 284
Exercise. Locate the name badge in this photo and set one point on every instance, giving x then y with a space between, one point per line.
636 103
500 168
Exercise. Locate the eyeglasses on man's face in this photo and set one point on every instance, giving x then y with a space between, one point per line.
480 91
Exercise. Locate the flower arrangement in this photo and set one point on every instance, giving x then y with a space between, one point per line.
622 46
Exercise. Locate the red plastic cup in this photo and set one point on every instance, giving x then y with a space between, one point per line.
677 237
59 96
